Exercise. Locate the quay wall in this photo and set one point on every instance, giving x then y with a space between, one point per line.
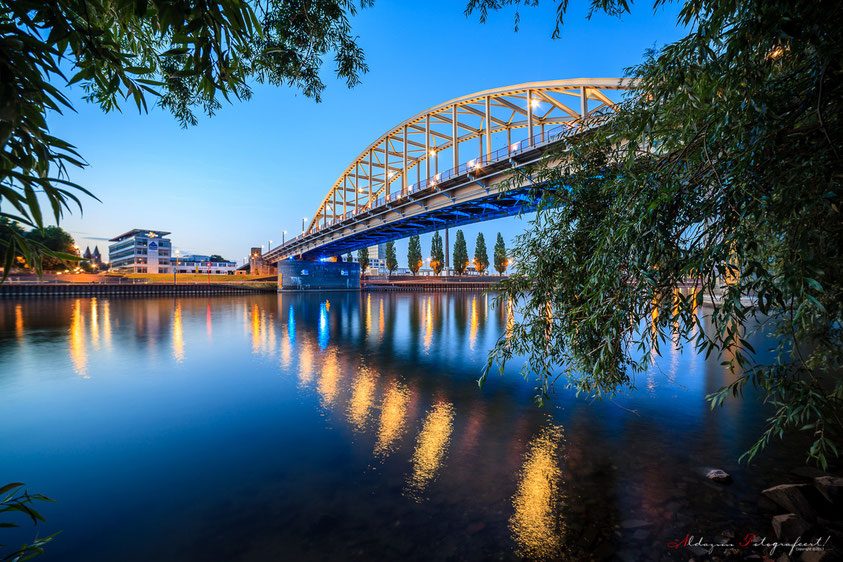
406 283
139 289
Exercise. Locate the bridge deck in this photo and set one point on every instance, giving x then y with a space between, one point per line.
463 195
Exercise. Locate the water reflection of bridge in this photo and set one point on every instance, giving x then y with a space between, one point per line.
393 374
410 417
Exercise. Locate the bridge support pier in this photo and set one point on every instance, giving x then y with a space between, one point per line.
300 275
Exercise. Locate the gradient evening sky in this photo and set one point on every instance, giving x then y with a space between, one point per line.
256 168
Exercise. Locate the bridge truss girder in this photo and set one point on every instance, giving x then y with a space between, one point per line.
467 129
461 199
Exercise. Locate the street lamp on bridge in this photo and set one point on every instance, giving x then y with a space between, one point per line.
302 224
283 234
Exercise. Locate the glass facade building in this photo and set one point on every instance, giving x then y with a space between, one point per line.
141 251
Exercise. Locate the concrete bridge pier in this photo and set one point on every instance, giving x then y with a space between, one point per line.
302 275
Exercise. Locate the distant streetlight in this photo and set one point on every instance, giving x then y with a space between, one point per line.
302 224
268 248
283 235
176 268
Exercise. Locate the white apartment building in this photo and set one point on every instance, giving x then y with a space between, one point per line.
140 251
193 263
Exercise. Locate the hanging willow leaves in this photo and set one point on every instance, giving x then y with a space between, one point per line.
718 179
182 56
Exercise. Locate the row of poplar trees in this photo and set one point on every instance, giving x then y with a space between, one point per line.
437 255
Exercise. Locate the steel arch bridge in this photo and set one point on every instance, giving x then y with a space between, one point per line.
440 168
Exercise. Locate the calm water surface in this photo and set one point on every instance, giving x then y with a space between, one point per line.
350 427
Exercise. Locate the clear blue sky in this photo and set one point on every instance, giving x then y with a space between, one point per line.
238 179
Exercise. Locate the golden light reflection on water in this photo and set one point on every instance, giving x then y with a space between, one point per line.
270 340
695 299
362 398
510 318
305 362
262 327
537 523
286 353
431 445
106 324
95 326
472 337
178 334
393 419
654 333
208 322
381 322
675 313
428 324
19 322
78 353
329 377
256 329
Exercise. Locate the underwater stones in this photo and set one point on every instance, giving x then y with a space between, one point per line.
792 498
831 488
790 526
717 475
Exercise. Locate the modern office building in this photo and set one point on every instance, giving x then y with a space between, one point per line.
193 263
140 251
377 258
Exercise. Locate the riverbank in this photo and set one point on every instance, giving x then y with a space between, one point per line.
130 289
411 283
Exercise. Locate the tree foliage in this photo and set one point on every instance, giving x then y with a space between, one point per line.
10 233
57 241
414 255
391 258
437 254
349 258
500 255
57 245
481 254
460 253
15 499
363 259
723 171
183 56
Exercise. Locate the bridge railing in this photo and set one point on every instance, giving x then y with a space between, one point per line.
546 137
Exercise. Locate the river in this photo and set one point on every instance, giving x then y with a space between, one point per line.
350 426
